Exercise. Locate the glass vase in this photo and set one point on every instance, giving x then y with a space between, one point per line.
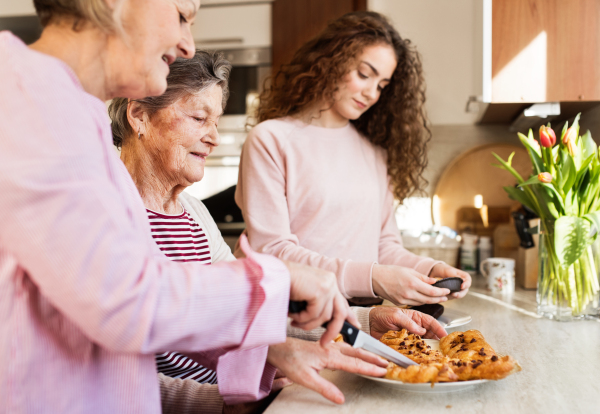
572 293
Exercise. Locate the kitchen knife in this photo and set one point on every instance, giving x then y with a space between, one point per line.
358 339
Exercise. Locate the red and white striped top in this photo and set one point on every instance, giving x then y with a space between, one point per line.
181 239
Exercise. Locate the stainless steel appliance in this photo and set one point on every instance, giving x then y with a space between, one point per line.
250 69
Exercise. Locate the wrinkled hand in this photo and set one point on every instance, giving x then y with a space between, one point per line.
301 362
391 318
404 286
442 270
325 302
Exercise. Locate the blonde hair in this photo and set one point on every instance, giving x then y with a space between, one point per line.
97 12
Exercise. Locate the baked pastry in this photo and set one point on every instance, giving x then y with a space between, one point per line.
463 356
412 346
473 358
433 372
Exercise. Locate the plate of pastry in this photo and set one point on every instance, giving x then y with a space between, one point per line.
458 361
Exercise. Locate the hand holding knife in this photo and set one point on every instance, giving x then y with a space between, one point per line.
358 339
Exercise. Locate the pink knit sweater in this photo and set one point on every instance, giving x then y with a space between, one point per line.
321 196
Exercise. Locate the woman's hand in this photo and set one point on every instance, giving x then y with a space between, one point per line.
325 303
391 318
405 286
301 362
442 271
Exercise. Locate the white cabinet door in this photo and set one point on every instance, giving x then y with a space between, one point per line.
232 27
16 8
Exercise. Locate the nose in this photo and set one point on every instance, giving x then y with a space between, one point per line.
371 92
186 47
212 137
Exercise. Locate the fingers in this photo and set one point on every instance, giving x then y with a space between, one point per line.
362 354
280 383
354 363
433 327
417 298
341 310
319 384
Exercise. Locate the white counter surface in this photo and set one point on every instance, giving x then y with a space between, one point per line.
560 361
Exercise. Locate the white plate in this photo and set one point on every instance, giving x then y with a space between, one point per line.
427 388
452 318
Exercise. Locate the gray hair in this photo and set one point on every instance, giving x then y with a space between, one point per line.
95 11
186 77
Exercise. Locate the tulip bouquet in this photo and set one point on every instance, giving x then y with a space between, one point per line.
564 192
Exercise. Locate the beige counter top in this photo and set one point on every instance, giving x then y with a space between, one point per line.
561 369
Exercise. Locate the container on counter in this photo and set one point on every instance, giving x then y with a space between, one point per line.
468 253
484 249
434 243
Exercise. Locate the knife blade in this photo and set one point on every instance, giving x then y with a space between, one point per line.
358 339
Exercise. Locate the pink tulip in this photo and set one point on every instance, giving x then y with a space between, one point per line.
569 140
545 177
547 137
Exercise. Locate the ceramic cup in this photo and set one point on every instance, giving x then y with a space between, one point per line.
500 274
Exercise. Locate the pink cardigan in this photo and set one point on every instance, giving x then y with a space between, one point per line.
321 196
86 297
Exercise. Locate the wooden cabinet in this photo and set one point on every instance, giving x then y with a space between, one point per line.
542 50
297 21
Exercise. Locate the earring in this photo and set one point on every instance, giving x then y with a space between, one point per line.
139 134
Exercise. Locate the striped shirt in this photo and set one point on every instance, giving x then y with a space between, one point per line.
181 239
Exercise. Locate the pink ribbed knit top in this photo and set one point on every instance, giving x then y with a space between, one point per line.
321 196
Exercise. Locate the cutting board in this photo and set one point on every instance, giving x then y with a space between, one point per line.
472 173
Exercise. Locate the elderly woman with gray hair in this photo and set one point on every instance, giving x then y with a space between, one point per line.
164 143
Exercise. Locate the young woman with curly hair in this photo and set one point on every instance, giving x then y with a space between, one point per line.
342 133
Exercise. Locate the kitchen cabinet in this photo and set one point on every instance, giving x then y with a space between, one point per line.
10 8
233 27
297 21
540 51
543 50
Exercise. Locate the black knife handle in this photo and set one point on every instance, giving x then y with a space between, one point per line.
349 332
297 306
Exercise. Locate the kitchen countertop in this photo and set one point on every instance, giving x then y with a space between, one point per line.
560 361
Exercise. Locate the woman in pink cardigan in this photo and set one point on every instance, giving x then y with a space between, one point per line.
86 297
342 134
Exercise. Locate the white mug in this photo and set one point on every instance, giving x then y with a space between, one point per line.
500 274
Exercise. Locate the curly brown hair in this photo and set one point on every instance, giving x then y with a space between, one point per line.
397 122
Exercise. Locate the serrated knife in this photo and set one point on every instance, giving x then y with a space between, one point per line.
358 339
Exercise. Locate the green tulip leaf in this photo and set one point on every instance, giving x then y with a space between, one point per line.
553 211
522 197
569 173
594 219
571 238
532 180
534 153
589 145
507 166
